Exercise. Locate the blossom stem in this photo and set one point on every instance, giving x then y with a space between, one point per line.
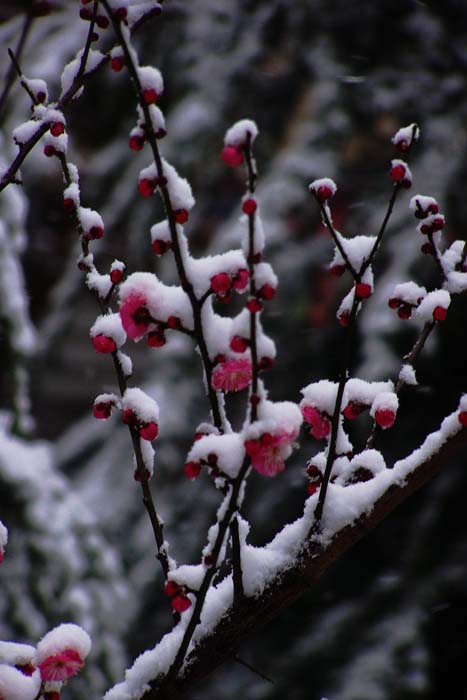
251 186
156 522
336 417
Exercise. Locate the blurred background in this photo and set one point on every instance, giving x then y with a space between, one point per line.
328 83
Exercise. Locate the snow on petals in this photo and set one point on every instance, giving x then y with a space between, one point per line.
232 375
61 652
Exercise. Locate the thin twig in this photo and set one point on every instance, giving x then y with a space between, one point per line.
251 185
409 359
334 234
337 412
10 76
254 670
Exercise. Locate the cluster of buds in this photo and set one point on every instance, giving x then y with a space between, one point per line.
147 186
147 430
224 283
405 298
178 597
427 209
384 416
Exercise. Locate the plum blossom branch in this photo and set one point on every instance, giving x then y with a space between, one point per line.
196 304
223 526
399 184
148 501
79 80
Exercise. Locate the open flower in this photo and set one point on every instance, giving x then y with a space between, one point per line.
270 451
232 375
60 667
319 423
135 315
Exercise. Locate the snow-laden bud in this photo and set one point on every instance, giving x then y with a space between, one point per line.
422 206
107 333
141 410
151 83
400 173
117 270
91 223
117 59
431 224
384 409
103 405
404 138
38 87
323 189
434 306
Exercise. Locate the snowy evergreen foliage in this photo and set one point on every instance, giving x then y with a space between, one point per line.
106 200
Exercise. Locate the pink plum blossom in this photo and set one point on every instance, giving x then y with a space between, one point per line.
320 424
269 452
60 667
232 375
134 315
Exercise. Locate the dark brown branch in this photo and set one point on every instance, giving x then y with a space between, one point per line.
244 621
